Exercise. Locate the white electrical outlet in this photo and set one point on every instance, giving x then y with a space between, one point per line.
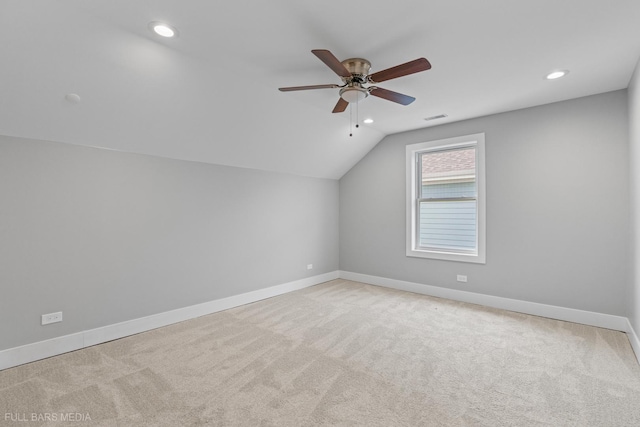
462 278
309 266
51 318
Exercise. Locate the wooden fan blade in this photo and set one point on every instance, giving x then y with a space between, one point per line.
332 62
390 95
292 88
405 69
340 106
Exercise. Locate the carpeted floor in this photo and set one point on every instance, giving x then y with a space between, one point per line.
340 353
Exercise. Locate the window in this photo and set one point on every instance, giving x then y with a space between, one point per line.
446 199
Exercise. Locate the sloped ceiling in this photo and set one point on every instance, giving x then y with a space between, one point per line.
211 95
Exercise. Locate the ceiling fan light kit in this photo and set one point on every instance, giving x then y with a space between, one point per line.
353 93
354 73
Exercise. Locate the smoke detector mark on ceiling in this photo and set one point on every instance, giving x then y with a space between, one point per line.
72 98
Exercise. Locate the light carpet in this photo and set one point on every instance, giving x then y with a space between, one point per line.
341 353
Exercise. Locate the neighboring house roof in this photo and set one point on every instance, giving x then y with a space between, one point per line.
449 165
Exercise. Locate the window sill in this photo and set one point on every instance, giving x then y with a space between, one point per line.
447 256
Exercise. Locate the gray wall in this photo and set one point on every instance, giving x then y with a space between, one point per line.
634 156
106 236
557 207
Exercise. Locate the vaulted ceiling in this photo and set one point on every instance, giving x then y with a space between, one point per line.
211 94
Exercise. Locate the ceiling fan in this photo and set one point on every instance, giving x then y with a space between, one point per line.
354 73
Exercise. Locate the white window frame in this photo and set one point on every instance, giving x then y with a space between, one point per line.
412 155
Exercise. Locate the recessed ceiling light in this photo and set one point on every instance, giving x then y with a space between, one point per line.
368 121
556 74
162 29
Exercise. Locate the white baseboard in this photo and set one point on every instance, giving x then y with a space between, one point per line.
590 318
633 339
59 345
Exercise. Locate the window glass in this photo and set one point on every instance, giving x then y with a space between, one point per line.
447 200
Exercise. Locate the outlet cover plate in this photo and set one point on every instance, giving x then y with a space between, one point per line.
52 318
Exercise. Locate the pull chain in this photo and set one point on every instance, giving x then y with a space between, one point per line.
350 120
351 117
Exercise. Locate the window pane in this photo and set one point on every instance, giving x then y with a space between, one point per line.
448 191
448 225
448 174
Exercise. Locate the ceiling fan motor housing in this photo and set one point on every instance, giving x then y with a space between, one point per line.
359 69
